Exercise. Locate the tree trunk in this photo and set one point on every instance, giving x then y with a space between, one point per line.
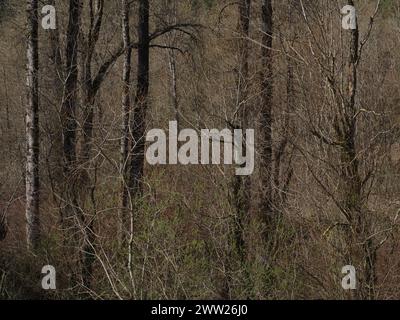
91 87
283 175
126 110
241 184
73 213
266 203
68 110
361 257
141 103
32 129
53 75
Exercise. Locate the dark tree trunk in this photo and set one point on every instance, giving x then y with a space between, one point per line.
68 110
241 186
53 75
361 252
74 206
91 87
141 103
90 90
266 203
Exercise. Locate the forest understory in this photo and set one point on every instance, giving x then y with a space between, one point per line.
84 84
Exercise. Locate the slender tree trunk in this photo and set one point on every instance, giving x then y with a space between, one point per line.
87 221
126 110
91 87
283 175
350 179
241 188
349 162
72 215
141 103
266 203
360 250
241 184
68 110
32 129
53 80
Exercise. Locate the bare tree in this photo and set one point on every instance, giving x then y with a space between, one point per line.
32 129
91 84
241 185
52 86
283 152
266 203
126 107
342 138
354 206
141 101
69 121
68 109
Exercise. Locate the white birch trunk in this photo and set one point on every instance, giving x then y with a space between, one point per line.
32 129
